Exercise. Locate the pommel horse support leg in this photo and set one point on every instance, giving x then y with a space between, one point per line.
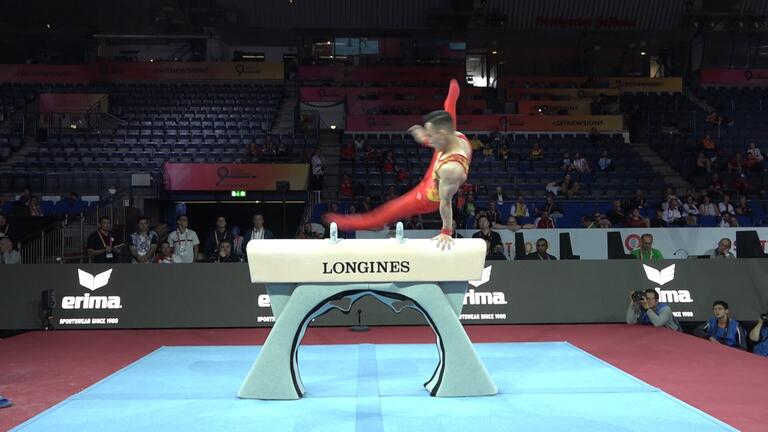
305 279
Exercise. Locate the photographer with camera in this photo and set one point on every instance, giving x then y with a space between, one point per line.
721 328
759 335
645 309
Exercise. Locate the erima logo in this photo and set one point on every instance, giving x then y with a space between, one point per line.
87 301
473 297
663 277
357 267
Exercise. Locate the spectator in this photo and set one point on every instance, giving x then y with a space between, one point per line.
544 221
455 234
542 245
100 243
648 311
759 335
499 197
492 238
184 241
735 164
359 144
238 242
716 185
224 253
254 152
725 206
646 250
7 254
707 207
366 205
616 214
567 163
601 221
552 207
588 223
348 153
723 249
5 227
568 186
553 188
520 209
703 165
469 208
306 232
492 212
605 163
580 164
721 328
351 209
635 220
346 190
672 215
143 243
258 232
34 206
742 208
708 145
741 183
691 211
513 225
536 153
729 221
658 220
638 201
216 236
318 170
166 254
754 158
505 156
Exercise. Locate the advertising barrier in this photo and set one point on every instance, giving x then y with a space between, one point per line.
338 94
227 177
623 84
364 107
72 102
92 296
591 244
517 122
436 74
734 77
537 107
573 94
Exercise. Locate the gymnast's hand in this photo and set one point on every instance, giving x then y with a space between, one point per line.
443 241
419 134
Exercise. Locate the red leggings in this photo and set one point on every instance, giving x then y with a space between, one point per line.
414 202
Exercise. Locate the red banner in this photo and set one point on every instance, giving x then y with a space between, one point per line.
474 123
227 177
741 77
433 74
72 102
338 94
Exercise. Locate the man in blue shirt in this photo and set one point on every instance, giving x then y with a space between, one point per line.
721 328
648 311
759 335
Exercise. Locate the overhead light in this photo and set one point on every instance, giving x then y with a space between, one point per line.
333 126
642 53
494 52
151 60
328 43
48 26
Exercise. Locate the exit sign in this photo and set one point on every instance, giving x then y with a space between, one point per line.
238 194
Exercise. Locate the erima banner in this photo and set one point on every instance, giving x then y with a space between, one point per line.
515 122
227 177
97 296
592 244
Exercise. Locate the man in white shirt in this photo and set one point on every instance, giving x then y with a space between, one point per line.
258 232
580 164
707 207
7 254
184 241
726 207
672 214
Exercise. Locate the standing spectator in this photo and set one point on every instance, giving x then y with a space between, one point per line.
184 241
536 153
143 243
605 163
544 221
754 158
224 253
759 335
580 164
646 250
520 209
616 214
635 220
34 206
492 238
707 207
725 206
723 250
238 242
721 328
165 255
498 196
541 254
217 236
672 215
569 187
346 190
318 170
100 243
258 232
7 254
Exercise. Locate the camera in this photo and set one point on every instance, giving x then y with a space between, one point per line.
638 295
764 317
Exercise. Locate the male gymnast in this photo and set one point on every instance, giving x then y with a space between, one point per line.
447 171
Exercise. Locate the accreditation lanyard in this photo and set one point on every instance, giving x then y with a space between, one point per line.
216 238
104 243
182 243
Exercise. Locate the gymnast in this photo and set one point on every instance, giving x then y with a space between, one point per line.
447 171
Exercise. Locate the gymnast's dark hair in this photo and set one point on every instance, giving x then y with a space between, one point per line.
439 119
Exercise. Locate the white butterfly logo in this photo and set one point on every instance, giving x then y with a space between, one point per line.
93 282
483 279
660 276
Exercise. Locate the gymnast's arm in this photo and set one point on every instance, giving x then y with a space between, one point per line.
420 135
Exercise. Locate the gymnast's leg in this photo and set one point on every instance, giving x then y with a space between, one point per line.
405 206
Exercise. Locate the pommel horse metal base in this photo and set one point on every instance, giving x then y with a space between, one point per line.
305 279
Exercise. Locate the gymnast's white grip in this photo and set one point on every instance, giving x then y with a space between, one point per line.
364 260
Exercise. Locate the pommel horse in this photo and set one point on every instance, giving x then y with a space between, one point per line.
307 278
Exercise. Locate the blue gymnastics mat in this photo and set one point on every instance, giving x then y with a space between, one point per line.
543 386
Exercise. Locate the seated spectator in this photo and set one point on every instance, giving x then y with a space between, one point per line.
455 234
143 243
721 328
646 250
542 245
616 214
7 254
5 227
388 166
366 204
34 206
735 164
605 163
476 143
512 225
638 201
370 154
498 196
580 164
551 207
216 236
729 221
716 185
520 209
723 249
658 220
567 163
348 153
589 223
359 144
544 221
754 158
224 253
648 311
351 209
707 207
690 211
635 220
703 165
414 223
536 153
492 212
742 208
568 186
346 190
282 151
741 184
165 255
725 206
672 215
469 209
553 188
601 220
492 238
759 335
708 145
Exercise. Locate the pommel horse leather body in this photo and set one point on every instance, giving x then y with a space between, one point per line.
307 278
